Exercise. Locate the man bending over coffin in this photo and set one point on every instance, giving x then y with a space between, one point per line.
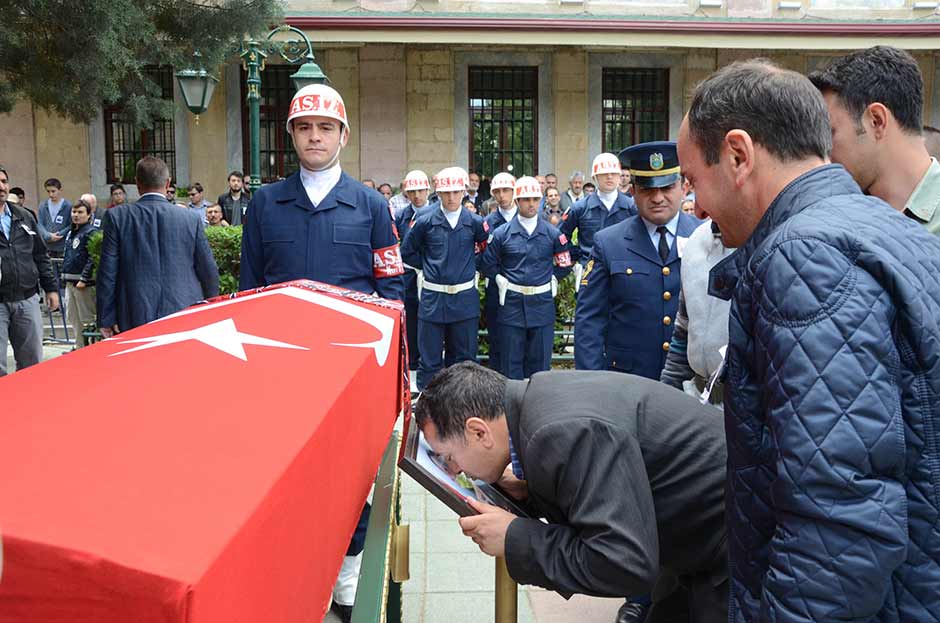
631 482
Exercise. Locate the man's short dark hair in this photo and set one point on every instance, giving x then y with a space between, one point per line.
237 174
547 175
386 184
879 74
117 187
196 186
458 393
55 183
16 190
152 172
780 110
81 203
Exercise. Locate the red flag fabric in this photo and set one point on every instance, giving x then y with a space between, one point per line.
206 467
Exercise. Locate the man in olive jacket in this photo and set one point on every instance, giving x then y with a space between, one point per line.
630 481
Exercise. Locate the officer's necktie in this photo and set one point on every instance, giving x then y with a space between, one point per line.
663 243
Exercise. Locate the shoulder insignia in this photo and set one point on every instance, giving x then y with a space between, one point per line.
587 271
486 226
563 239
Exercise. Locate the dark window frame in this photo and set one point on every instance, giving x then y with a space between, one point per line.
125 143
517 109
634 106
278 158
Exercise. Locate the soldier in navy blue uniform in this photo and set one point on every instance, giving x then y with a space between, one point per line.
416 188
501 189
630 289
526 257
320 223
323 225
608 206
443 245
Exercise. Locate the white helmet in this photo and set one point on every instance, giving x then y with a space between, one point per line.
415 180
451 179
319 100
605 163
503 180
527 186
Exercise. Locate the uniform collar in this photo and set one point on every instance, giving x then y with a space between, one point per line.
292 190
622 202
438 218
925 199
515 227
672 226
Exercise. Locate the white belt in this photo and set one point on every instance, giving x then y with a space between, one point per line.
408 267
456 288
578 271
505 285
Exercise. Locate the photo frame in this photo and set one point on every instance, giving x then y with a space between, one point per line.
419 462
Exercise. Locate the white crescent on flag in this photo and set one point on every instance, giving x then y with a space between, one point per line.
226 337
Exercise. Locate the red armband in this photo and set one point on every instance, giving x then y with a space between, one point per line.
387 262
563 259
563 239
479 247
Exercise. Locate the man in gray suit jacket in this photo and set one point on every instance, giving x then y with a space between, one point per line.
155 259
629 476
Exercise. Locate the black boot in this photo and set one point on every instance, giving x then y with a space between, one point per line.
631 612
343 612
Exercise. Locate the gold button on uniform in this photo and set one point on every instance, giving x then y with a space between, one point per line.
629 271
666 270
665 345
667 296
667 321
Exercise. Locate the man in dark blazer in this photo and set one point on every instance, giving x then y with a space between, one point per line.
630 288
631 482
155 259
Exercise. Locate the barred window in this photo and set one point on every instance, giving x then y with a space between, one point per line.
503 120
278 158
126 143
635 107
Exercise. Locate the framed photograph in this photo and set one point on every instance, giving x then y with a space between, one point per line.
420 462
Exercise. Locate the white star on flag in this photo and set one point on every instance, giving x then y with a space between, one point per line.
222 335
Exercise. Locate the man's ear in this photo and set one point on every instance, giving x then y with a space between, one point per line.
479 429
737 152
878 115
345 138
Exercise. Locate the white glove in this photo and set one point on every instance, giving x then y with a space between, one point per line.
502 284
578 271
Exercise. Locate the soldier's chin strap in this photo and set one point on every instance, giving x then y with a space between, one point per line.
332 162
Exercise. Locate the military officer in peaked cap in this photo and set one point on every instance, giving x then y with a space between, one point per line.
630 288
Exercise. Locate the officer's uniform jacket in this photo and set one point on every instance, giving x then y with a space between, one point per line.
628 300
77 264
447 257
348 240
403 224
589 216
526 261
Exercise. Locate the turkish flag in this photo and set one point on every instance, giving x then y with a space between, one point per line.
208 466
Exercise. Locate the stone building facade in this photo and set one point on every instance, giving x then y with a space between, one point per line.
412 73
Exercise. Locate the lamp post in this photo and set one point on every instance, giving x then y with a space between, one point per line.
253 57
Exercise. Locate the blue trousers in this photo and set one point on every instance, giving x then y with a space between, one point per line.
492 328
526 351
459 339
411 329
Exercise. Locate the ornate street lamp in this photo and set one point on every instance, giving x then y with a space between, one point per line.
197 86
253 56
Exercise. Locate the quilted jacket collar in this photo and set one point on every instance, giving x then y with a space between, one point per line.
825 181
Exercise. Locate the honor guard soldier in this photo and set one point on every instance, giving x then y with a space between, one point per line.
443 246
526 257
416 188
630 289
321 224
608 206
501 189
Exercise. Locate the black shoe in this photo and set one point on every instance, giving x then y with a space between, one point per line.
631 612
343 612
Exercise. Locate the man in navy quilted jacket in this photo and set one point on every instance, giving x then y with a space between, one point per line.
832 375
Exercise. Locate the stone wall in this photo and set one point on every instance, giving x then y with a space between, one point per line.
61 152
383 112
342 66
18 151
569 92
208 147
429 93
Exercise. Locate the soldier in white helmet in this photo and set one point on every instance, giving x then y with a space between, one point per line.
416 188
608 206
525 257
501 189
443 245
321 224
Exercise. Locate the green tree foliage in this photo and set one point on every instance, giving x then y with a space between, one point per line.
72 56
